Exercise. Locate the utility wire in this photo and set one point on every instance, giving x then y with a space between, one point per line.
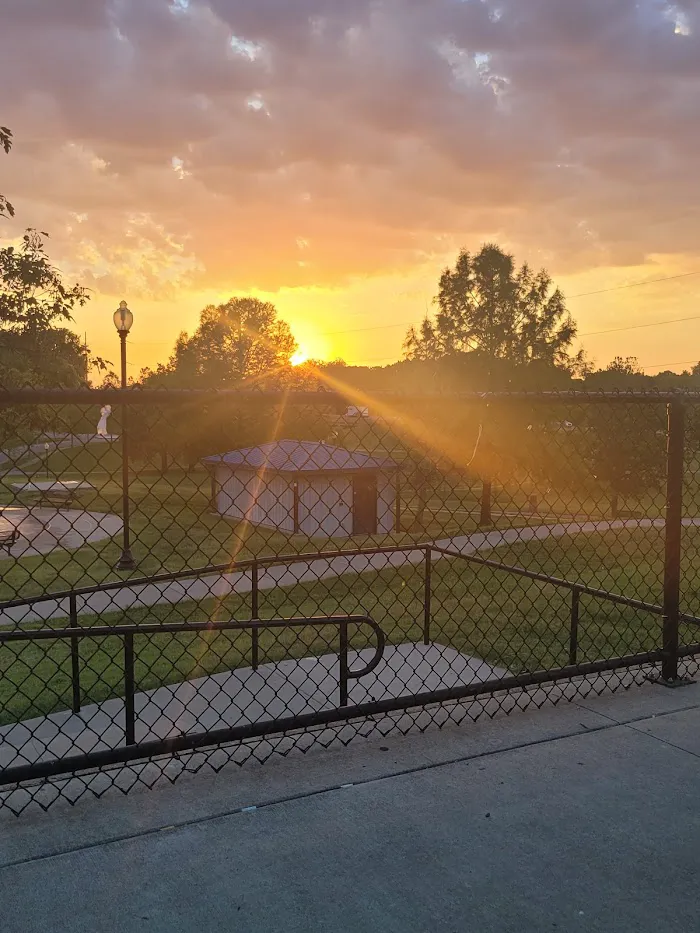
595 333
615 330
602 291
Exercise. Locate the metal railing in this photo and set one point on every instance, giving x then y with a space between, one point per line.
669 656
131 749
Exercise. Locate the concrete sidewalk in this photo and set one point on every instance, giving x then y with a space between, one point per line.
581 817
291 687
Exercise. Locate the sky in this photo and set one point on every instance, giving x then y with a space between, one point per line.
332 156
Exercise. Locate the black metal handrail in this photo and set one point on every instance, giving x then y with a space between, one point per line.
555 581
576 589
252 564
127 632
320 718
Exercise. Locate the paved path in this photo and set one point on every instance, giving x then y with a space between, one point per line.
221 585
232 698
44 530
20 459
581 818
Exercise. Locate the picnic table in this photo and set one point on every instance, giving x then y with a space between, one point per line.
54 492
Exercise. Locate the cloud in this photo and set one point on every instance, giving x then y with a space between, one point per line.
201 141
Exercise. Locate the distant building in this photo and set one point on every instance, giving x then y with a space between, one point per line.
306 487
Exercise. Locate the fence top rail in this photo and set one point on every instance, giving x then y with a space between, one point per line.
99 631
252 563
333 398
555 581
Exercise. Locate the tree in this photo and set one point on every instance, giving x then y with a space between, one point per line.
487 305
497 314
625 366
33 296
35 350
6 209
241 341
34 302
626 450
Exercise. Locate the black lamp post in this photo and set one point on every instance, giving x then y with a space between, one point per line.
123 319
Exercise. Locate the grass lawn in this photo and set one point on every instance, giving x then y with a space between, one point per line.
173 528
513 622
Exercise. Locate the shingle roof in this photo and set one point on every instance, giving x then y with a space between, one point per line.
302 456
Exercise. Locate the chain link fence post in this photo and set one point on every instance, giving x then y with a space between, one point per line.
672 557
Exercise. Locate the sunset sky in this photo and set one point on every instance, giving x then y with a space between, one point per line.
333 155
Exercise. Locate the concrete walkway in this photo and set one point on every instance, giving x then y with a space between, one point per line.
580 818
233 698
45 530
21 459
222 585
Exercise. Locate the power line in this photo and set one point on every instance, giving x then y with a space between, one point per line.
602 291
677 363
617 288
615 330
362 330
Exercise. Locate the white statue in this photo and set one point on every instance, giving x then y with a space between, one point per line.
102 424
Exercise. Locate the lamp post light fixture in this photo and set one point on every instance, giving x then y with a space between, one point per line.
123 321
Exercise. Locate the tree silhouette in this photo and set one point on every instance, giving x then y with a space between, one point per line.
486 304
626 451
6 209
625 366
237 342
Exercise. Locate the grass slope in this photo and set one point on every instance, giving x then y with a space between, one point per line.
513 622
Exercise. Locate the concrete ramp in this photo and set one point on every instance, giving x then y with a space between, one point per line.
233 698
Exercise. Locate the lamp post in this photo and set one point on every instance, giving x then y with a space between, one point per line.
123 319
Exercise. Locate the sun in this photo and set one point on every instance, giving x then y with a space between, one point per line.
298 358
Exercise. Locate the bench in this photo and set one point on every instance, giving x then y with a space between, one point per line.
8 538
57 497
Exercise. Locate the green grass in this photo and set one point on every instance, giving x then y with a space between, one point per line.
173 528
86 459
511 621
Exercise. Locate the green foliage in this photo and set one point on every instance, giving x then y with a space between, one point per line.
187 432
35 350
6 209
33 297
241 341
487 305
626 449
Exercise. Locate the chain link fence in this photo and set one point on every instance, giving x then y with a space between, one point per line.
192 579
